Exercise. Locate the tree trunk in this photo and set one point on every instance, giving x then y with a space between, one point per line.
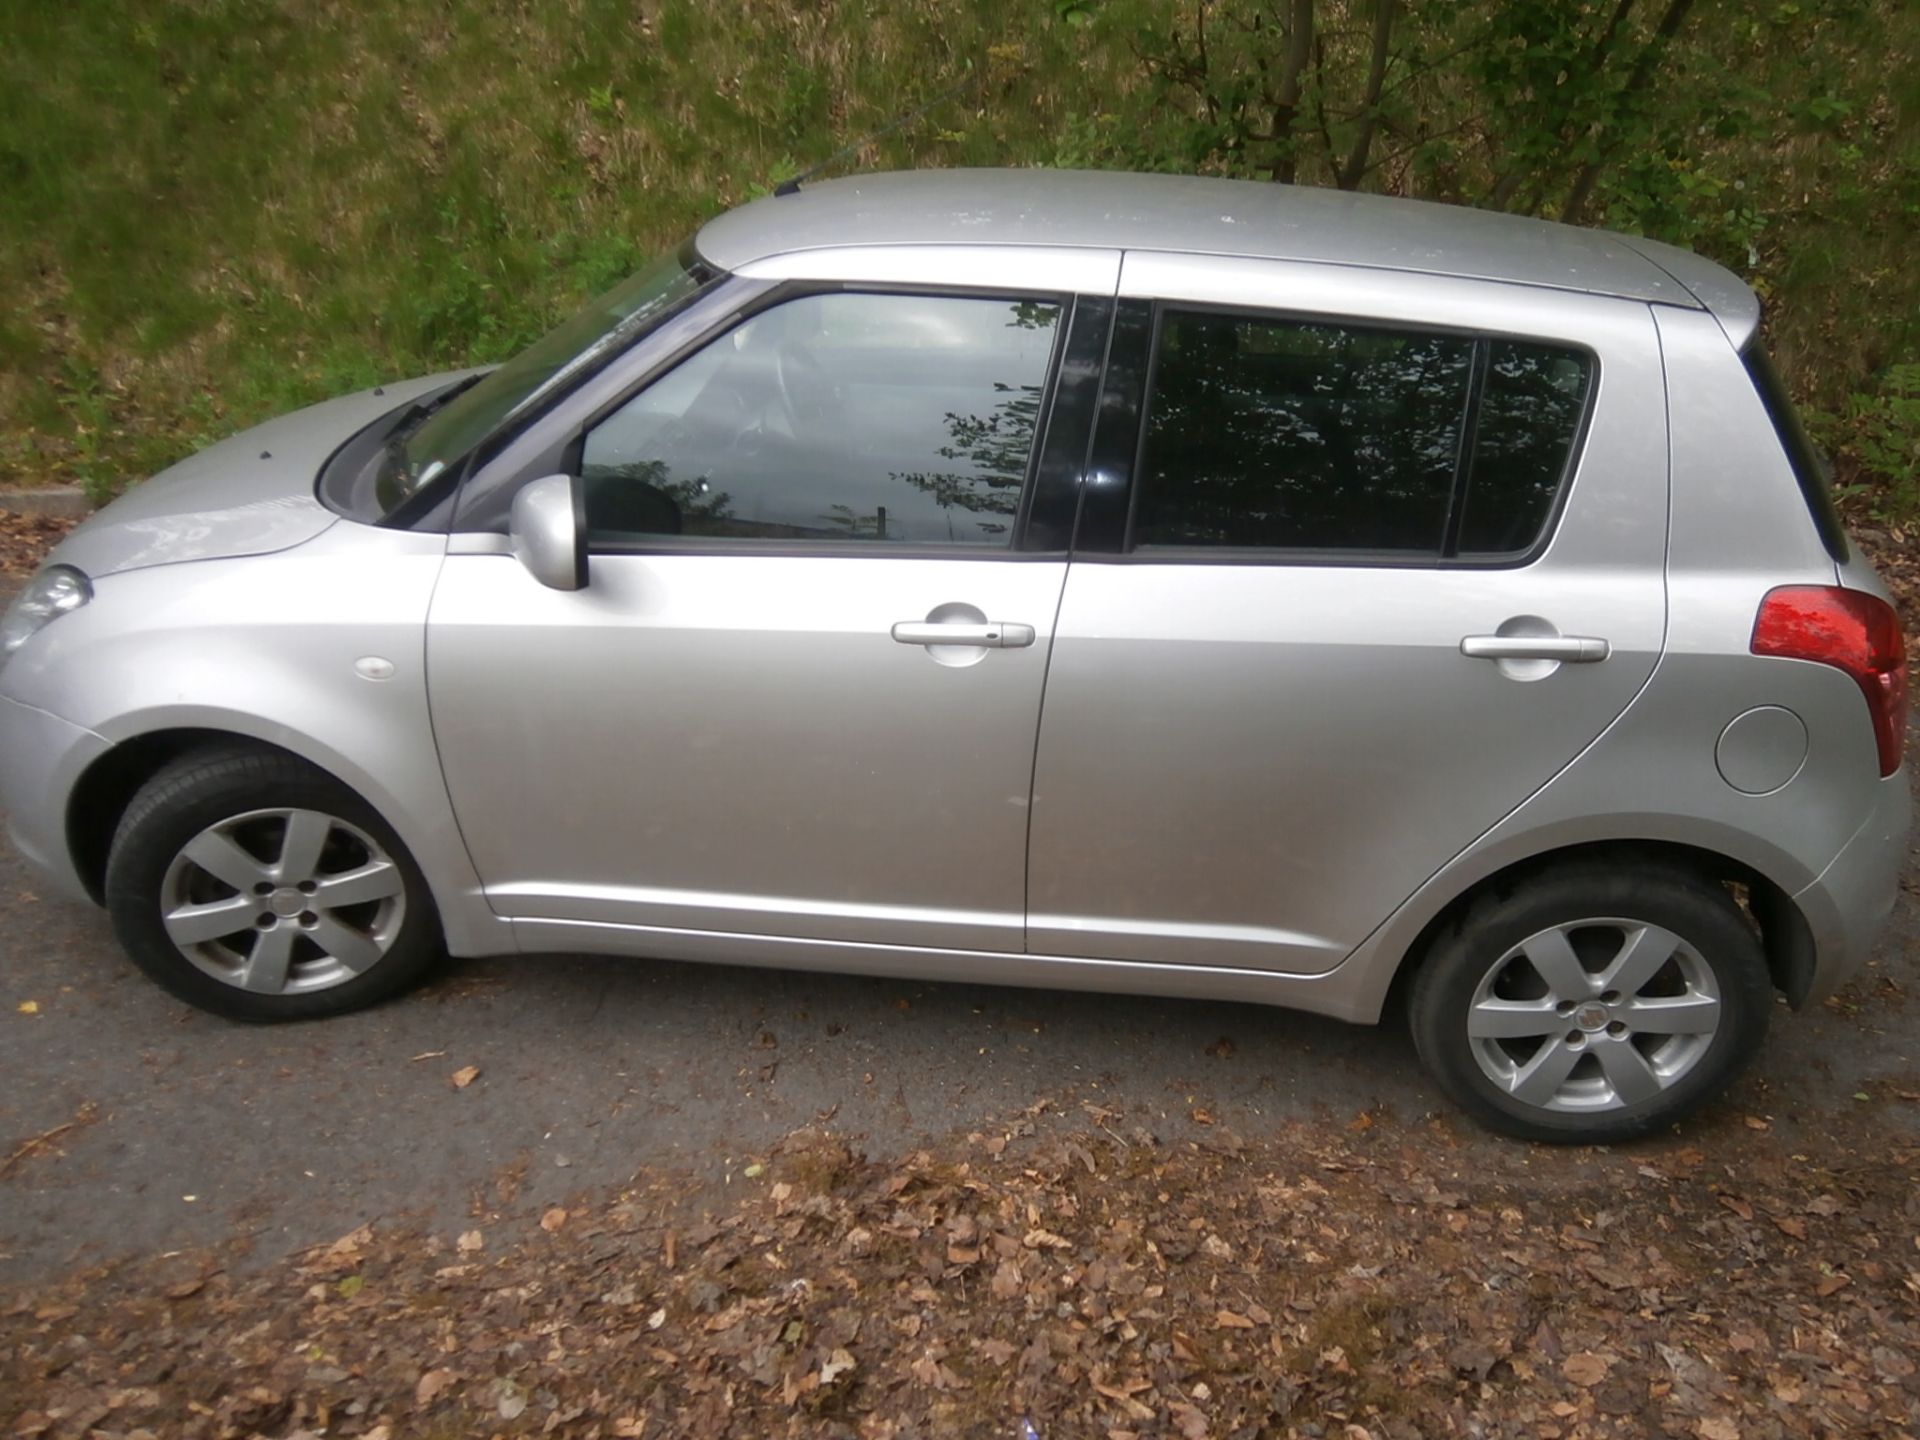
1356 166
1643 66
1286 105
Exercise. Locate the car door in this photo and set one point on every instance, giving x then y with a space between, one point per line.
799 692
1369 559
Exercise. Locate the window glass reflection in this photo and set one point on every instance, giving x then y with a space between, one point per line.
1283 434
886 418
1529 416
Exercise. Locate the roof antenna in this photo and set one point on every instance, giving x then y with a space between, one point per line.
791 185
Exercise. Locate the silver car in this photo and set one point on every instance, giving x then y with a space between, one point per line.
1126 583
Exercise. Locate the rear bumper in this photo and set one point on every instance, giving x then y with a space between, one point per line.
1848 905
41 759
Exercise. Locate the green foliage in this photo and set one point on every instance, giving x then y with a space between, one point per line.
211 210
1881 434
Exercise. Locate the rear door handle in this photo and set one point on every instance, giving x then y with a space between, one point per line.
991 634
1569 649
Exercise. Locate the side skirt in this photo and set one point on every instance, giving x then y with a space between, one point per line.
1341 992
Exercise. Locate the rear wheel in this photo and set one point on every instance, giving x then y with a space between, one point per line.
1592 1004
250 884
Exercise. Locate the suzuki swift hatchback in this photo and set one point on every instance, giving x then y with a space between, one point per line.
1125 583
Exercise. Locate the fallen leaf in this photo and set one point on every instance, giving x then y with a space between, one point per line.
1227 1320
1584 1368
1791 1225
431 1386
465 1076
471 1241
836 1365
1715 1427
1832 1285
28 1007
553 1220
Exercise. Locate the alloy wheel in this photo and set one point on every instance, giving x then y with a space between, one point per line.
283 901
1593 1015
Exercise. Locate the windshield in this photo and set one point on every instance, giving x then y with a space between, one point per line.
434 438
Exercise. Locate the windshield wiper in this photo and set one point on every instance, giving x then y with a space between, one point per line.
419 410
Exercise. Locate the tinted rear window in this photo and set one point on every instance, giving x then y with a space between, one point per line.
1301 436
1281 434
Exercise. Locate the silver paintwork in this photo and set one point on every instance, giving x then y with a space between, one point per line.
251 494
326 908
1257 782
1534 1047
545 532
1080 209
783 765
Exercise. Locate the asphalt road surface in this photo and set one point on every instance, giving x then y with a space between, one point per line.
187 1130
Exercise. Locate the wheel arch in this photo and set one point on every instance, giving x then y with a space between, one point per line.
1786 939
106 787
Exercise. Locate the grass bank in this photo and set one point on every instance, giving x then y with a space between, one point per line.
216 210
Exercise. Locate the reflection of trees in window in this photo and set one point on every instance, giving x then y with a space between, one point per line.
994 447
1301 435
1529 413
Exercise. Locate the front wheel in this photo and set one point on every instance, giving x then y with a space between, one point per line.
252 885
1592 1004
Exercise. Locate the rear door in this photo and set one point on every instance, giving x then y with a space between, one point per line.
1364 560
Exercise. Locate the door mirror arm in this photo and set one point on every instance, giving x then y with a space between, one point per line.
548 527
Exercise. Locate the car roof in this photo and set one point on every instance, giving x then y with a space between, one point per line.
1195 215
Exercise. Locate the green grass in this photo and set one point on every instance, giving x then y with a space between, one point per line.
213 210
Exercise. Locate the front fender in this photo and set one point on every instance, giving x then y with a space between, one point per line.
269 649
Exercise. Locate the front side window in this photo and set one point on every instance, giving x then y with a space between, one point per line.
892 419
1279 434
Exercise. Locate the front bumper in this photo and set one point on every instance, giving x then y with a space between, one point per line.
41 759
1848 905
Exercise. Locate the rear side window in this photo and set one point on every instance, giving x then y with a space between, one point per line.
1276 434
1808 467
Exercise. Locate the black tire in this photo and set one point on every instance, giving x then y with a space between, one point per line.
1719 947
218 787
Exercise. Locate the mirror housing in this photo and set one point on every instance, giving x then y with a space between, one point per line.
548 527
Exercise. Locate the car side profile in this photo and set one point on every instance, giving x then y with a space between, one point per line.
1166 586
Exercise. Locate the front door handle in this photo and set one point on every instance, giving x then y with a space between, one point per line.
1569 649
990 634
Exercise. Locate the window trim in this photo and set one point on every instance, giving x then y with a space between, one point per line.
1126 552
784 293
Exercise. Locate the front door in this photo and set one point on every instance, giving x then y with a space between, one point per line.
1377 580
800 691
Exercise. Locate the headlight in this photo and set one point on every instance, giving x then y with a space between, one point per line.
49 595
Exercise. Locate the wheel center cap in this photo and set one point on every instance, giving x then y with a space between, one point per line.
1591 1017
287 902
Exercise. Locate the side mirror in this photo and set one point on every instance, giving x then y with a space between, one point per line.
548 527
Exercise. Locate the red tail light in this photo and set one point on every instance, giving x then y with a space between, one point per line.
1851 631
